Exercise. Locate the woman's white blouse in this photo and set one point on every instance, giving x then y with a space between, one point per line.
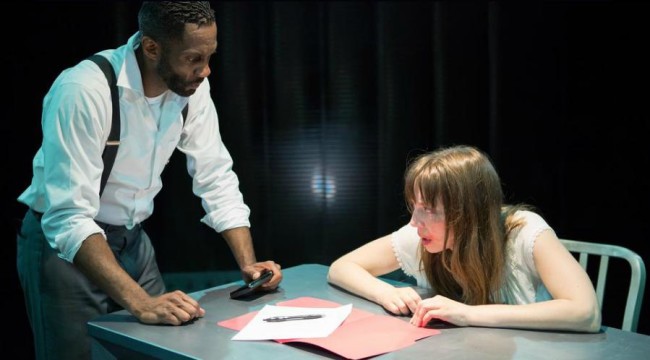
522 284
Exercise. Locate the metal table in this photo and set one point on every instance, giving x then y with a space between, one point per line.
119 335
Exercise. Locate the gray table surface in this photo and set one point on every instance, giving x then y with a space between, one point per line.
120 335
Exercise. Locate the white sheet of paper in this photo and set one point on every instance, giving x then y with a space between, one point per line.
258 329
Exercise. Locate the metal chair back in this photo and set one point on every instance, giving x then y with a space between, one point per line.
637 276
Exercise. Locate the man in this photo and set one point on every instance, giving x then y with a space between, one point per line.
82 252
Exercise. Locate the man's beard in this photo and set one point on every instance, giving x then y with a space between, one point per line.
174 82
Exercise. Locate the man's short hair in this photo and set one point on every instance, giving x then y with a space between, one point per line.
165 20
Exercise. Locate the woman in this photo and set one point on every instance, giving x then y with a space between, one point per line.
488 264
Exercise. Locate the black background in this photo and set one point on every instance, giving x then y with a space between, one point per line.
321 104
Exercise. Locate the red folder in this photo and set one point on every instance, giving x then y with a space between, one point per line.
361 335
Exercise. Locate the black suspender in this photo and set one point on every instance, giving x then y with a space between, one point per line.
184 112
110 150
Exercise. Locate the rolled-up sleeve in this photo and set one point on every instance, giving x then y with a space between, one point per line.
210 165
72 164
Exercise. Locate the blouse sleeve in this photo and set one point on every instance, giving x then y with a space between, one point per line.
406 246
523 284
527 236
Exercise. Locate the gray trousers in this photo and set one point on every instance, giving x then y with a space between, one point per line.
60 300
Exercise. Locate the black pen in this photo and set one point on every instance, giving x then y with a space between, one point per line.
292 317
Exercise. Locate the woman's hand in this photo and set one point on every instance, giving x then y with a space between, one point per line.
441 308
400 301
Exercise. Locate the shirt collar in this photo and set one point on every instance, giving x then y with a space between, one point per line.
130 76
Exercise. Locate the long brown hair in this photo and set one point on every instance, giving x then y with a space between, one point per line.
464 180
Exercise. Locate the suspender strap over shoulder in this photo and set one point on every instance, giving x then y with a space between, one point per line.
110 150
184 112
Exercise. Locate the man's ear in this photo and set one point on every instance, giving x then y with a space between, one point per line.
150 48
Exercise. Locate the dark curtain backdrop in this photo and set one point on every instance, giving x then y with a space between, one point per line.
322 104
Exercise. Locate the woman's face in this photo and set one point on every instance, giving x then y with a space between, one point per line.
430 223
